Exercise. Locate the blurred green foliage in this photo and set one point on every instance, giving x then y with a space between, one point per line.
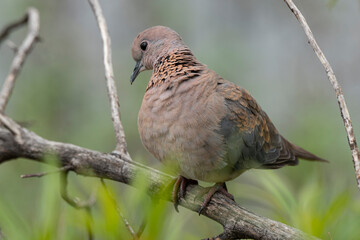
61 94
311 207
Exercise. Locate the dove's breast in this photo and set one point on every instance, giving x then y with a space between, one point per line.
179 125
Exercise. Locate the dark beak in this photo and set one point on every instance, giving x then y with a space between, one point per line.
136 72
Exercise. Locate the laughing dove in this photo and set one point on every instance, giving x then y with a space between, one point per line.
204 126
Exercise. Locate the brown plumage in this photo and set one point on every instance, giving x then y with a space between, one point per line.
204 126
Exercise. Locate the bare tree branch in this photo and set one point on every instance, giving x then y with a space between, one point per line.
32 17
237 221
74 202
62 169
336 86
121 147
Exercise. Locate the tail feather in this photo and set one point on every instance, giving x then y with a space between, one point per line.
289 155
299 152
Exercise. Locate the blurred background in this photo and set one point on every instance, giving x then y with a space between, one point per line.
257 44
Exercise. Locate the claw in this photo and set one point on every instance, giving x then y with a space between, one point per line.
179 189
175 192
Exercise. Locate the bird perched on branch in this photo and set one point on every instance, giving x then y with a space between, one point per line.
204 126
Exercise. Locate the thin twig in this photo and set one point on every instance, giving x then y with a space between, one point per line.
33 19
74 202
113 200
110 82
12 26
336 86
62 169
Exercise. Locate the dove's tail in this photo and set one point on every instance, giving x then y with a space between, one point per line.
289 155
299 152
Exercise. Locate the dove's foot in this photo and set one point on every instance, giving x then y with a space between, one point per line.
179 189
218 187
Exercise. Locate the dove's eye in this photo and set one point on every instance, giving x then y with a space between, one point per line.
143 46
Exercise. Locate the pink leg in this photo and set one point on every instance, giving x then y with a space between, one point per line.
179 189
218 187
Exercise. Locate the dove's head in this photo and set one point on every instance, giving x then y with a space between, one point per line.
151 44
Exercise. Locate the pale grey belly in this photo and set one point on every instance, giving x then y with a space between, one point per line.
189 148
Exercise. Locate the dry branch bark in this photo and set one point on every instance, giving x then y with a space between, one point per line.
237 221
336 86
